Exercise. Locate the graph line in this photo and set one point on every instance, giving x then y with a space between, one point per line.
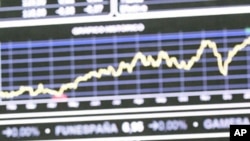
146 61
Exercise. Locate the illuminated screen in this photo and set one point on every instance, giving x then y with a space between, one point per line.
112 70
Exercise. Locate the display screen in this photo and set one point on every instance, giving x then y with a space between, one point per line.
131 70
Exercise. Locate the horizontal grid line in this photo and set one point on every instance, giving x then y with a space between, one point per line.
122 39
146 81
234 39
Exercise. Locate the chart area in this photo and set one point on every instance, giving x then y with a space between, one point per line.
124 70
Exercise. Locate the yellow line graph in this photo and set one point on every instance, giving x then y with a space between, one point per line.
146 60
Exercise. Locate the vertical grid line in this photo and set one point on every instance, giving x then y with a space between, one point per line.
138 77
10 60
72 64
1 68
94 65
202 69
115 59
181 52
51 64
30 64
225 50
159 46
248 64
204 65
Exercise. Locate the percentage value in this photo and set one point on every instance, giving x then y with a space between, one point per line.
168 125
21 132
